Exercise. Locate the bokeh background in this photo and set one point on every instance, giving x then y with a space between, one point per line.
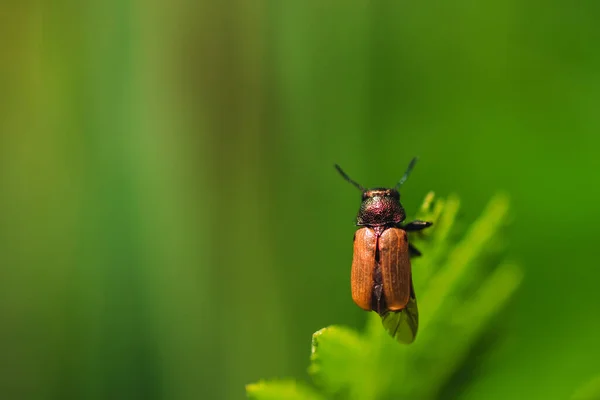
171 225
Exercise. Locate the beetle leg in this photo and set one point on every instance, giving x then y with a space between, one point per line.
416 225
413 251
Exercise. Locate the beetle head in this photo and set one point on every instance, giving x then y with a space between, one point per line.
380 206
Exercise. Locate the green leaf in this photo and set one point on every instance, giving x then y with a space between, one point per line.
335 352
281 390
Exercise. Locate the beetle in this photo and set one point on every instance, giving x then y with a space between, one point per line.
381 277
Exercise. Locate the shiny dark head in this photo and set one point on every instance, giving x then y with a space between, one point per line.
380 206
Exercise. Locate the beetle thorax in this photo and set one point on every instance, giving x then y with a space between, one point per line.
380 207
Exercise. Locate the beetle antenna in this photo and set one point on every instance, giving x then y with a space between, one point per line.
346 177
411 165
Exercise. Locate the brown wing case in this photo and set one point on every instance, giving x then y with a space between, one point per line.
363 264
395 267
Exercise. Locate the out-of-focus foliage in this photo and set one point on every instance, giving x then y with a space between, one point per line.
171 226
589 391
463 284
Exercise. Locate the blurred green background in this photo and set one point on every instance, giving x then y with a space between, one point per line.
171 225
